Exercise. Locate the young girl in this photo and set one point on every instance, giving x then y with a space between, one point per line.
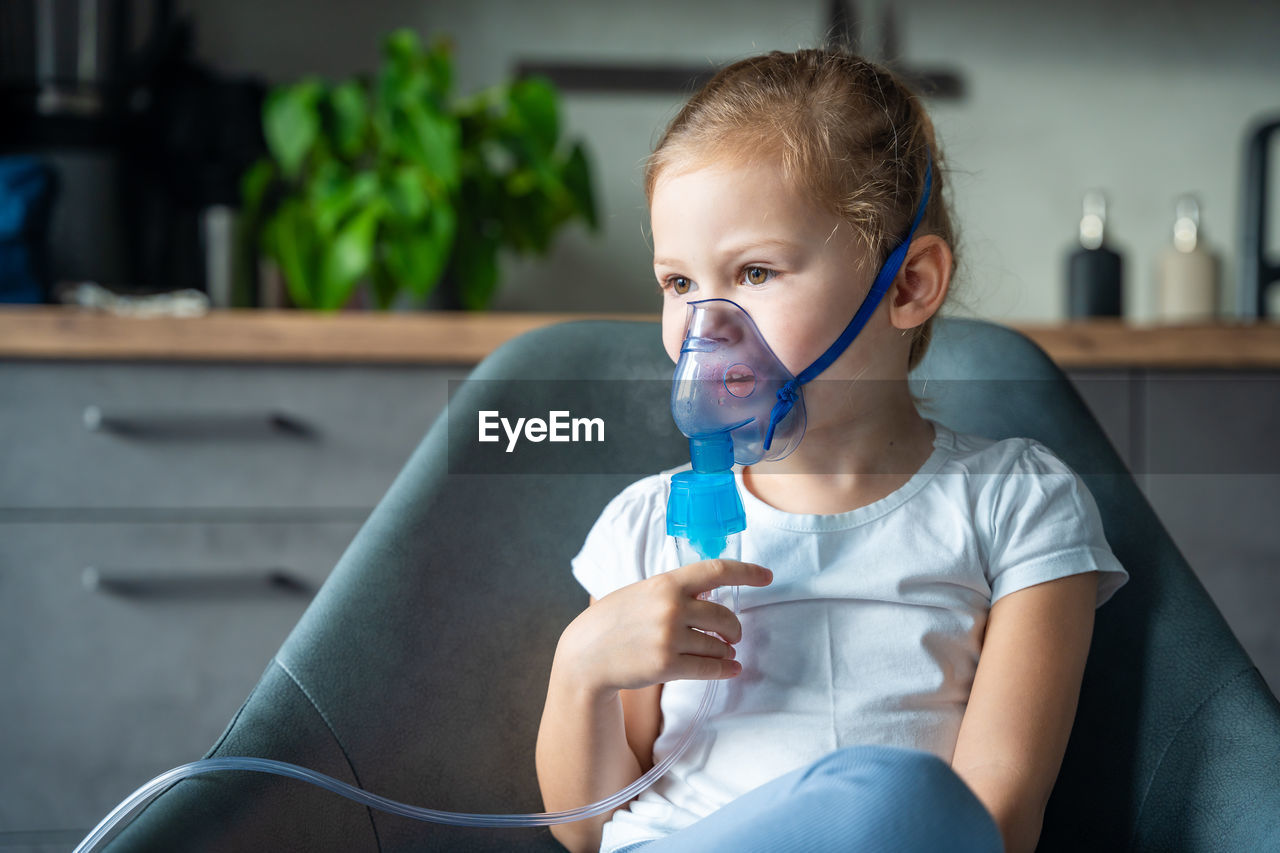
916 604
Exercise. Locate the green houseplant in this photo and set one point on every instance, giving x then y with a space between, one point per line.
390 180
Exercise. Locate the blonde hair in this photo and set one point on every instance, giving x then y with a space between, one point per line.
846 131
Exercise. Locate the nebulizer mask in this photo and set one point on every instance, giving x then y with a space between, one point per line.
725 397
737 403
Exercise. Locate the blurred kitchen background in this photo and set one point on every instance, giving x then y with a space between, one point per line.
172 492
1144 100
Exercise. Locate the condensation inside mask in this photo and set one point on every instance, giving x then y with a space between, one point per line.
727 382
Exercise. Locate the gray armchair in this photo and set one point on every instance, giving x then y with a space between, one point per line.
419 670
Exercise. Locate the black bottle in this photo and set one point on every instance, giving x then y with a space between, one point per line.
1094 271
1257 274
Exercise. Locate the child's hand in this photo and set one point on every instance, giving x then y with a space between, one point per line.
660 629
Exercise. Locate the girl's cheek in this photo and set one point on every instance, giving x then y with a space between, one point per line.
789 348
672 327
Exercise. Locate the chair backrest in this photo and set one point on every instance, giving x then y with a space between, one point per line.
1176 744
420 669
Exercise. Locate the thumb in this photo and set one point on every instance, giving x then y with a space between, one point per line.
706 575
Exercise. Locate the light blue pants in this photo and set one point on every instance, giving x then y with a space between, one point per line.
864 799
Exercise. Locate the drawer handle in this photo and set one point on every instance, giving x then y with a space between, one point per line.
211 585
189 426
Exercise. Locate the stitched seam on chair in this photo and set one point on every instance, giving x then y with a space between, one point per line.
221 740
232 725
1142 805
334 734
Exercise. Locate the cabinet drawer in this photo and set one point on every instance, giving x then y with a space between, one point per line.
1109 396
1213 477
107 686
202 436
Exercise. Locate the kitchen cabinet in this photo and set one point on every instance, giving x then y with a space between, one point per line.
1202 444
162 527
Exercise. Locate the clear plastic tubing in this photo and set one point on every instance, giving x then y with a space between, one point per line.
148 792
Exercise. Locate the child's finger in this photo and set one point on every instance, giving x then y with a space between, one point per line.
706 575
707 669
705 645
716 618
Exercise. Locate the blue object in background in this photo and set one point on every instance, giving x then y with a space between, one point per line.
28 187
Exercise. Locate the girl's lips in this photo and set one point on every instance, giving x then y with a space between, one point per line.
740 380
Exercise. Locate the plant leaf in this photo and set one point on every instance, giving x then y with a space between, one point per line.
342 194
291 123
522 181
402 47
407 191
350 106
347 258
429 139
416 255
438 63
534 102
577 180
289 236
253 187
384 284
476 263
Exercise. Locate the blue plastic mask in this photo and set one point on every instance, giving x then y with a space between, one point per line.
726 384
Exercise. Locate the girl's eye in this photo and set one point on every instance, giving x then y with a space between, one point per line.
757 275
680 284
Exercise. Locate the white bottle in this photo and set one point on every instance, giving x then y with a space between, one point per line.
1186 273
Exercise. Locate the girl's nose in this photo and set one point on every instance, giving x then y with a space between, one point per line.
718 321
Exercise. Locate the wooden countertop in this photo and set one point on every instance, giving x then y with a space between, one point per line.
428 337
56 332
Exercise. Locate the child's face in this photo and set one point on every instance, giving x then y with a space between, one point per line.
741 233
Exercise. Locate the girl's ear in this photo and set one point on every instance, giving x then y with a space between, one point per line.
921 285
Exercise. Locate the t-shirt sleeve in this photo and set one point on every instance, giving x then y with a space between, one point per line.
1044 525
625 545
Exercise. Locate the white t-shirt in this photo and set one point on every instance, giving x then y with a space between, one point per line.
871 629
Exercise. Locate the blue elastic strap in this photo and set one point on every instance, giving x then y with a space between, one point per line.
788 393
